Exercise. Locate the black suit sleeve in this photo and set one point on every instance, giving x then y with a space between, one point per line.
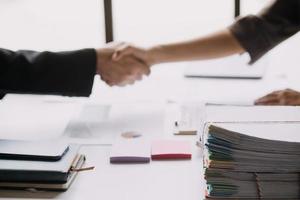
69 73
260 33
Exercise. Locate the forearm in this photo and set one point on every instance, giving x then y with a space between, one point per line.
219 44
65 73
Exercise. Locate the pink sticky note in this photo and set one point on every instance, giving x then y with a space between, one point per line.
170 149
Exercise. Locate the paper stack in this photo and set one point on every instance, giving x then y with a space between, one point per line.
252 160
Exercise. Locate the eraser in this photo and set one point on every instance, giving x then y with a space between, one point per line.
170 149
134 150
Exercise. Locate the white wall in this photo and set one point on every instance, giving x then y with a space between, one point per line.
155 21
51 24
253 6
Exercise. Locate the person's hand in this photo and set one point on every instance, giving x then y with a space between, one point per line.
119 72
281 97
142 54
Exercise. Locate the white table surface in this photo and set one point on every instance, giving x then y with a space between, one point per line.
174 180
156 180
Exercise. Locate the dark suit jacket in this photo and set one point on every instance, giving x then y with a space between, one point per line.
64 73
260 33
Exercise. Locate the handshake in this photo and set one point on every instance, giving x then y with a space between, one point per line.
123 64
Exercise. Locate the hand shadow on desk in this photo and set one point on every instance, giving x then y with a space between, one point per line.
24 194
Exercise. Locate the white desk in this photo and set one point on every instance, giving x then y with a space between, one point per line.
157 180
174 180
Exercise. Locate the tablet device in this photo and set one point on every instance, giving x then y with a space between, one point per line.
233 67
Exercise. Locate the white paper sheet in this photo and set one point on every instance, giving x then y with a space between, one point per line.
35 117
147 118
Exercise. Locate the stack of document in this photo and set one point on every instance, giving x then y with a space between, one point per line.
252 160
50 165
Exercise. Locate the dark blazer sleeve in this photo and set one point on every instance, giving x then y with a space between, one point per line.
260 33
69 73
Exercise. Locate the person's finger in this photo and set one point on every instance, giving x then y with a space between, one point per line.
131 82
121 84
273 102
147 71
266 100
126 82
280 97
122 80
143 68
279 91
103 79
282 102
291 95
127 50
110 83
117 75
273 94
139 77
290 99
106 79
121 51
291 90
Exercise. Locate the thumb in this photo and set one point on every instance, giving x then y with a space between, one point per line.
121 51
125 51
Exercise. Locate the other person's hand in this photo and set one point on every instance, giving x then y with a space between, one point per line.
281 97
124 50
119 72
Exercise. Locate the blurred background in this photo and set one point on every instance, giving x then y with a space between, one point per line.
72 24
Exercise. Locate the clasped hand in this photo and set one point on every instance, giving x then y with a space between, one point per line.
122 64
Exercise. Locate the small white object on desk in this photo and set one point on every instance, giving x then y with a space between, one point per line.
189 116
